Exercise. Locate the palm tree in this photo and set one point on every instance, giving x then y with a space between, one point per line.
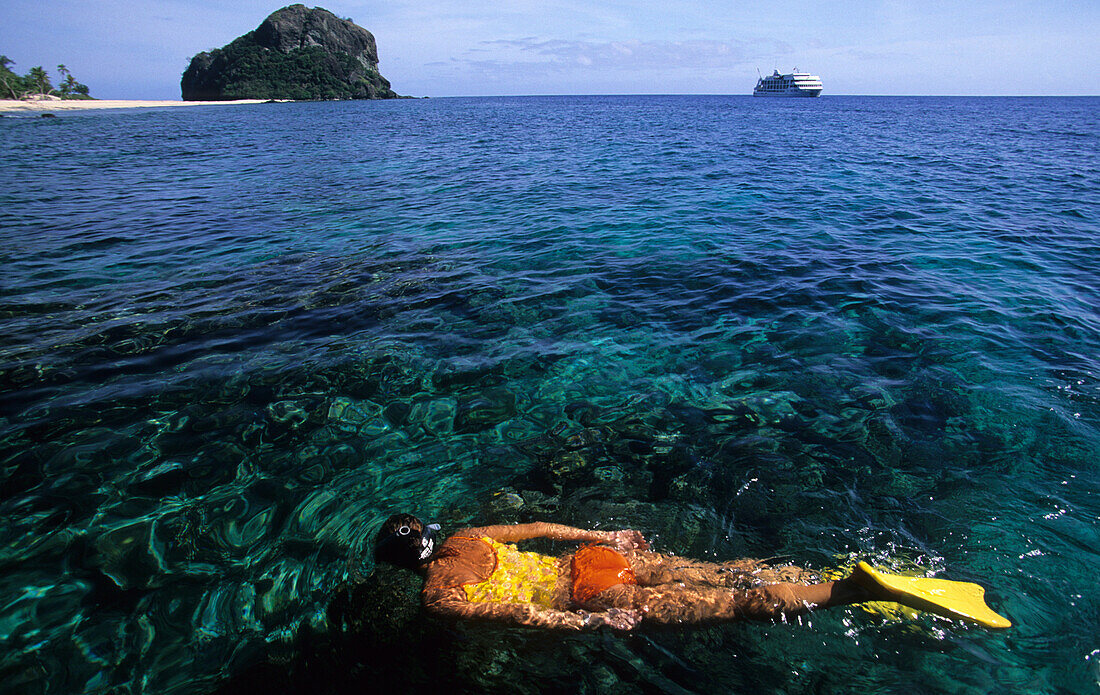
8 78
65 88
40 79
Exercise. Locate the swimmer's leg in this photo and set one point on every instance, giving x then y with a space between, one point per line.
654 569
673 604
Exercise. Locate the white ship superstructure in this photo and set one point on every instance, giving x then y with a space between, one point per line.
793 84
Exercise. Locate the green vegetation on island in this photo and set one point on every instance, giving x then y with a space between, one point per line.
296 53
36 83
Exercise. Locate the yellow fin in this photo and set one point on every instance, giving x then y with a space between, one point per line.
955 600
884 609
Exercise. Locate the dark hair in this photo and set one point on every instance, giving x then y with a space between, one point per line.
400 541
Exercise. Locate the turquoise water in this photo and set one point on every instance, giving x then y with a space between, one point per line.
236 339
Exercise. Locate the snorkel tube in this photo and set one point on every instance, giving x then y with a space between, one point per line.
405 541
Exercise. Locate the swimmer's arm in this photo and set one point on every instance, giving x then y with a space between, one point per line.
529 615
557 532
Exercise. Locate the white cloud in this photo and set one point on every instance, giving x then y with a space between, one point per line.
559 54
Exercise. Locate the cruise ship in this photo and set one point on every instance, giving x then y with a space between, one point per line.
793 84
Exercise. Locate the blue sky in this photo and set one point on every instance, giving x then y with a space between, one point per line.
138 50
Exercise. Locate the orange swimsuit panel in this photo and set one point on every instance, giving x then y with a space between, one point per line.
596 568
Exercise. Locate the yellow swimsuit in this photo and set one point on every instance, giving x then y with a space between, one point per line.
518 577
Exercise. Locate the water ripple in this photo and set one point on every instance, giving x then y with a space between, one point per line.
237 339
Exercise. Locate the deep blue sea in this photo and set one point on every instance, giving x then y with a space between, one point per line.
235 339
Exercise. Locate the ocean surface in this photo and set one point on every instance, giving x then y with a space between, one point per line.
233 340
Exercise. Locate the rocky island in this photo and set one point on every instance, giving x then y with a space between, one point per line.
296 53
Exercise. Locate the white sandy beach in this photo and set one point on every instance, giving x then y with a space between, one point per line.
12 105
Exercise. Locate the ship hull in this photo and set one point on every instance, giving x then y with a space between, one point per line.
800 93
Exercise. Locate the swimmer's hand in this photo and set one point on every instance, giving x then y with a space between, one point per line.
628 539
614 618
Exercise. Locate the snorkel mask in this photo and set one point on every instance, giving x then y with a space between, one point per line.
400 543
427 541
427 538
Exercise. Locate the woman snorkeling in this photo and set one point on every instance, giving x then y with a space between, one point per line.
614 580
